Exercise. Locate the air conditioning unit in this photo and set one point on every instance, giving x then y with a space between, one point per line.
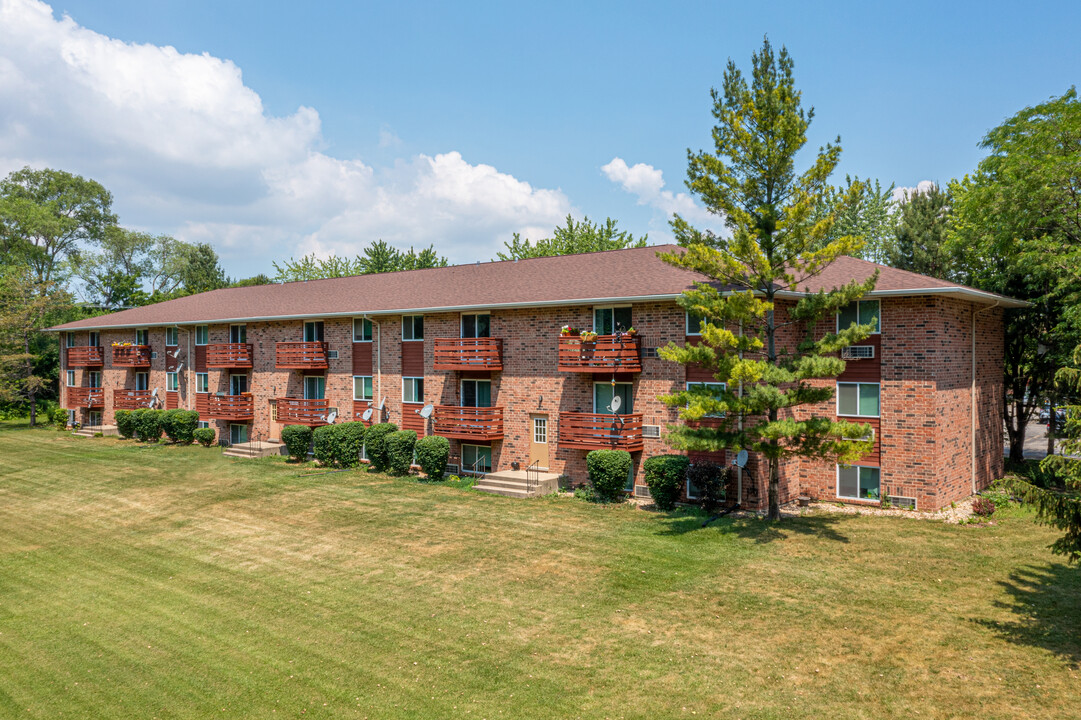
858 352
865 437
642 491
651 431
332 354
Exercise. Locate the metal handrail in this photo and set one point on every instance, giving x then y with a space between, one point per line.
474 467
532 477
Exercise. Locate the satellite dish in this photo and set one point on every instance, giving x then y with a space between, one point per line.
426 411
154 393
367 414
617 402
179 367
741 458
383 404
332 416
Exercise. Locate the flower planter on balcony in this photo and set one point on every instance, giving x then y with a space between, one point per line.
230 407
298 411
605 354
469 423
596 431
131 356
469 354
229 355
85 397
87 356
131 399
301 356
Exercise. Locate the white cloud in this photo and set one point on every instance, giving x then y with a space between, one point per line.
187 148
647 183
901 194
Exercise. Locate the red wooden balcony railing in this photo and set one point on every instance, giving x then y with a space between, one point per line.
298 411
87 356
131 399
594 431
302 355
469 423
604 354
131 356
230 407
468 354
85 397
229 355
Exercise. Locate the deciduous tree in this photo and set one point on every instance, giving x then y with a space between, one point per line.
571 239
864 209
379 257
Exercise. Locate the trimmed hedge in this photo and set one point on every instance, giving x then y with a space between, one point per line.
665 475
204 436
708 479
375 443
339 445
180 425
400 446
297 439
608 471
125 424
147 424
433 452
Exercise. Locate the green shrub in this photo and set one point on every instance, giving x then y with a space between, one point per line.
147 424
375 443
324 444
608 471
433 452
399 448
665 475
983 507
125 424
204 436
59 417
297 439
350 443
180 425
708 480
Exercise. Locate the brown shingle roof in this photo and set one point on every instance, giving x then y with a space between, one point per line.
636 273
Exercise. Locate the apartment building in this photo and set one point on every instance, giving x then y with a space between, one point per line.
482 345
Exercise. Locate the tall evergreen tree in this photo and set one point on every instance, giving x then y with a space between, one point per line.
921 243
775 246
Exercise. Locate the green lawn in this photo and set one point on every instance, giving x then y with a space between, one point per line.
167 582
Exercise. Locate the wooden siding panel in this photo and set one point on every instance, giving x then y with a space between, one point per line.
412 358
410 419
200 358
362 358
869 370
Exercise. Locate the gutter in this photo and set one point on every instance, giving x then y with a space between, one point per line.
972 392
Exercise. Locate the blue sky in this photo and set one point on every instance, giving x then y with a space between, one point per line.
296 127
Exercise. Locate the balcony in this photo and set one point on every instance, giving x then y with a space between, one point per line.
469 423
230 407
301 356
229 355
468 354
131 356
85 397
88 356
131 399
607 353
298 411
594 431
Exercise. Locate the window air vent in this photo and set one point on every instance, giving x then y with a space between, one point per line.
651 431
332 354
858 352
650 352
153 356
641 491
903 502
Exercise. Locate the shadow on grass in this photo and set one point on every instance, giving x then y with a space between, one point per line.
685 521
1047 606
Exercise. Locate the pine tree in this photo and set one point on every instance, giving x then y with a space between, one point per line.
923 218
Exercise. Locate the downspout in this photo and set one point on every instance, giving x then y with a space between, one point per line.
191 362
739 421
378 365
972 438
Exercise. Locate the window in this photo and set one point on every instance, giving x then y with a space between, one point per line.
362 330
857 482
94 378
694 325
95 339
607 320
362 387
477 326
202 334
692 490
858 399
603 392
172 337
313 331
238 434
863 312
70 339
238 334
238 384
540 430
142 381
716 387
172 382
202 424
413 389
202 383
476 393
142 337
476 458
412 327
315 387
71 378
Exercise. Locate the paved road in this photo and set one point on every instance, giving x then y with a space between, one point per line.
1035 441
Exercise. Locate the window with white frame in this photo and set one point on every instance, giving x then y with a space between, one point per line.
142 337
202 383
202 334
238 384
142 381
315 387
238 334
604 392
172 382
476 393
540 430
858 482
714 388
692 490
70 337
413 389
476 458
861 312
238 434
412 327
313 331
362 387
172 337
606 320
478 325
71 378
202 424
694 324
858 399
94 378
95 339
362 330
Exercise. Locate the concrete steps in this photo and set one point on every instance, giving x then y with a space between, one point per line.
255 449
92 430
513 483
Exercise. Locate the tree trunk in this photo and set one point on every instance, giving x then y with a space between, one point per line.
1016 429
1051 425
774 489
29 375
